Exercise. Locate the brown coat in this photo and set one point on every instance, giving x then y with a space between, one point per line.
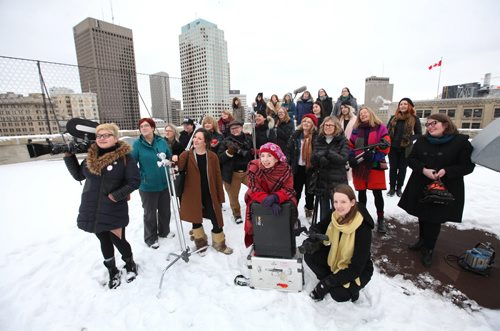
191 206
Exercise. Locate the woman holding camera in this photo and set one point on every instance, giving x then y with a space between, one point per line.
441 154
111 175
342 263
270 183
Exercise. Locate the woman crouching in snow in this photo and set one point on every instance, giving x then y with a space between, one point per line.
111 175
270 183
343 263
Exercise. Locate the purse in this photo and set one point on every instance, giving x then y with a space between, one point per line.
436 193
180 179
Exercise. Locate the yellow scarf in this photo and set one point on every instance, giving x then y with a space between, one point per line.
342 247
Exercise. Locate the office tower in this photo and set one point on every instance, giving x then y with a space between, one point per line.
204 69
378 91
105 55
159 84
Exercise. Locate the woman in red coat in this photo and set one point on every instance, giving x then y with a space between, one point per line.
369 174
270 183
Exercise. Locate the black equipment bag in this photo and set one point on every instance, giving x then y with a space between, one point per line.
273 235
180 179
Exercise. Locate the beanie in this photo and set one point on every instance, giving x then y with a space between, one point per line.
274 150
407 100
261 112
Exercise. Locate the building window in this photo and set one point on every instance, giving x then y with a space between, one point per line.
478 113
496 113
466 125
475 126
467 113
449 112
423 113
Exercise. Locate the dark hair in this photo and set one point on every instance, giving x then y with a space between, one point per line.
206 135
450 127
326 94
347 190
322 112
234 104
349 91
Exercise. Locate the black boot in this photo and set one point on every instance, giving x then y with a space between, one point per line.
399 193
416 246
320 291
427 257
381 225
131 268
391 192
114 273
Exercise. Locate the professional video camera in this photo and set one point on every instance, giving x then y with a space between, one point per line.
313 242
83 135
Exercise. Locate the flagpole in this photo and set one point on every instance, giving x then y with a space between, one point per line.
439 77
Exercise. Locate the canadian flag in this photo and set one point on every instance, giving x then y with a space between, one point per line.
437 64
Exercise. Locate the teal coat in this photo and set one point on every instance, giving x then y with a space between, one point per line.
153 178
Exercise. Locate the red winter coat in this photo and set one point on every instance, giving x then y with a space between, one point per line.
263 182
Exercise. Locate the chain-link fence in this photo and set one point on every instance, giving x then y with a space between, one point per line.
39 97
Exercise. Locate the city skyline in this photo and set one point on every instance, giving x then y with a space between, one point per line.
277 47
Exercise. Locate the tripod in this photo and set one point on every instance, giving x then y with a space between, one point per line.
174 203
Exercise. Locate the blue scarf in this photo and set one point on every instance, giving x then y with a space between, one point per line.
439 140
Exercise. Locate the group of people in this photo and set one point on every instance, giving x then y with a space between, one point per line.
330 145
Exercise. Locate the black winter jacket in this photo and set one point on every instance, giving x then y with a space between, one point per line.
114 172
293 149
329 161
238 161
284 131
452 156
265 133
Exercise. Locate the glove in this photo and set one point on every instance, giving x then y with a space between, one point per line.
270 200
243 152
368 155
353 162
323 162
276 209
232 149
310 246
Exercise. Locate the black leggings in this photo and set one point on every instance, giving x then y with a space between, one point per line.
379 199
108 239
208 212
429 233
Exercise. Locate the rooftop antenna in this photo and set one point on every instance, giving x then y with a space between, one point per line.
112 15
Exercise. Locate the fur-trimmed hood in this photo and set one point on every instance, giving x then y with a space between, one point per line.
96 163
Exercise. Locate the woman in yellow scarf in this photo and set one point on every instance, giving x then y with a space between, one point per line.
342 263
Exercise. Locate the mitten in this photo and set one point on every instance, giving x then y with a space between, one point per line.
276 209
270 200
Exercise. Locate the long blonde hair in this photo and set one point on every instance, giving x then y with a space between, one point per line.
211 120
374 120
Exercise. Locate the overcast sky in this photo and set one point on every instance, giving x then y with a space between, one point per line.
277 46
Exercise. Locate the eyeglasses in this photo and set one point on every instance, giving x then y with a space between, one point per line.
105 136
329 125
429 124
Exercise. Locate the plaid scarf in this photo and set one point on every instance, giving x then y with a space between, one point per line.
269 179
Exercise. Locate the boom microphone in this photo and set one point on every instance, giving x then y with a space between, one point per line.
300 89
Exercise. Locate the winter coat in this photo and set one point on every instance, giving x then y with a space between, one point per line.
223 127
303 107
293 149
328 161
239 114
191 205
284 131
327 104
175 148
184 138
452 156
237 162
214 135
114 172
292 111
350 125
370 173
361 264
153 178
398 134
272 109
265 133
352 101
262 182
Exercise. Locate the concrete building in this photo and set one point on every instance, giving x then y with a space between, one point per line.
177 113
159 85
70 104
204 69
378 91
105 55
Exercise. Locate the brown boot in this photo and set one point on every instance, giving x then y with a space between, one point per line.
199 237
219 243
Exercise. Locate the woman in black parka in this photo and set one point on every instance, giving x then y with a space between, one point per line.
111 175
329 158
442 153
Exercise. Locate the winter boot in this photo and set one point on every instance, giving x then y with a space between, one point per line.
381 223
427 257
131 268
114 273
219 243
417 246
391 192
199 237
399 193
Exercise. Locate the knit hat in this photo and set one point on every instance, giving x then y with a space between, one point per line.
407 100
261 112
312 117
149 120
233 123
346 103
274 150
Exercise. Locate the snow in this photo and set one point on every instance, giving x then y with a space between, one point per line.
52 273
